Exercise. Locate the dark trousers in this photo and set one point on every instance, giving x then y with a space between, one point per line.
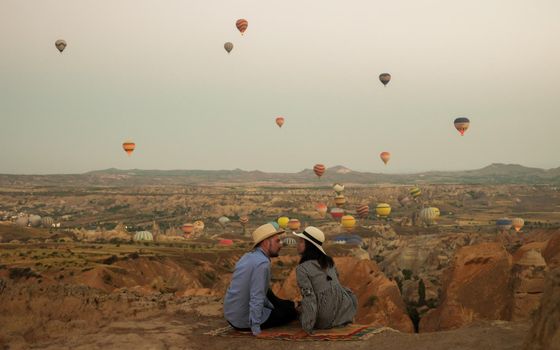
284 312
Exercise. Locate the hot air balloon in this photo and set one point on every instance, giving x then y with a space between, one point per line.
228 46
363 211
383 210
348 222
462 124
385 156
47 221
503 224
280 121
294 224
34 220
321 209
187 229
242 25
22 221
223 221
415 192
319 169
60 45
198 226
129 147
143 236
340 200
289 241
517 224
275 224
385 78
225 242
337 213
429 215
244 220
338 188
283 221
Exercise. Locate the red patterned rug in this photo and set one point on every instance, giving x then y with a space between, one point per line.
294 332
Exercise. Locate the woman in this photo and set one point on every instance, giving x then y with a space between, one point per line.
326 303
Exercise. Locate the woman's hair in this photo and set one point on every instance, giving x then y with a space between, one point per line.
311 252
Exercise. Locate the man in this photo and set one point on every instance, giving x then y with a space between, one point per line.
249 303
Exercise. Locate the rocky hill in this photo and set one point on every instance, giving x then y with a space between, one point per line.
492 174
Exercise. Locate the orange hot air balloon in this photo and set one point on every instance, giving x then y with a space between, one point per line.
244 220
363 211
129 147
321 209
242 25
187 228
294 224
280 121
348 222
319 169
385 156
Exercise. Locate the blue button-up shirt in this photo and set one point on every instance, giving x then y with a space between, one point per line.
245 303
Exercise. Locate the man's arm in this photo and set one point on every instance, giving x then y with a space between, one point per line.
259 287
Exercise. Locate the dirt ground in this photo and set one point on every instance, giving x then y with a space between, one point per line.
184 330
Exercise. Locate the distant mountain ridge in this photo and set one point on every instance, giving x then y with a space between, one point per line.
496 173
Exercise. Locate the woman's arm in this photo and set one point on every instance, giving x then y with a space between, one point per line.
309 300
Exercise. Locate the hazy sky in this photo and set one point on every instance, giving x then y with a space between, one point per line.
156 72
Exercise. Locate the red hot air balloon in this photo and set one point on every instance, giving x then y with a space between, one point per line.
129 147
385 156
337 213
225 242
319 169
242 25
280 121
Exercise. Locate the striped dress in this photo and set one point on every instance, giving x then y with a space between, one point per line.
326 303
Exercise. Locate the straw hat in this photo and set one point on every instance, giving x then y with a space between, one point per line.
265 231
313 235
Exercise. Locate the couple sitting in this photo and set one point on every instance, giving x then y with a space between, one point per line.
249 303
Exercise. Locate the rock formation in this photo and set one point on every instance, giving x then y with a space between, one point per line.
545 333
477 286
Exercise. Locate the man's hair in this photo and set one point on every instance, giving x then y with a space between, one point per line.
313 253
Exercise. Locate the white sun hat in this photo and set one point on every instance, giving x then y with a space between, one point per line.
313 235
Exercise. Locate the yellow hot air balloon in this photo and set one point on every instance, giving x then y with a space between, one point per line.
348 222
283 221
429 215
517 224
383 210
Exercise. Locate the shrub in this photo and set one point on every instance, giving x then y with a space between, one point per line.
20 272
407 274
371 301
